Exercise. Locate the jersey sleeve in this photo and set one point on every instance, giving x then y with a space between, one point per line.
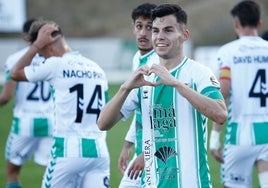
135 61
11 61
209 85
7 72
130 104
131 134
223 62
41 70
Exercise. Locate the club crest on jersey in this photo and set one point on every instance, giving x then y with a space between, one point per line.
214 81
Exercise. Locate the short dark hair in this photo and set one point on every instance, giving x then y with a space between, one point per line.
170 9
36 26
27 24
248 12
143 10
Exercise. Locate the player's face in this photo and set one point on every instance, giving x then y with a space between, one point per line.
142 29
168 36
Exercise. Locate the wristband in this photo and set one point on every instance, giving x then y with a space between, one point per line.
214 141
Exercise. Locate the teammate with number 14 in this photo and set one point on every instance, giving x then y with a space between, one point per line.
80 156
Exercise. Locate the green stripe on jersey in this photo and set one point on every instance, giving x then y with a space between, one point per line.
106 96
59 147
88 148
212 92
200 126
261 132
40 127
231 133
34 127
7 74
15 125
143 60
165 135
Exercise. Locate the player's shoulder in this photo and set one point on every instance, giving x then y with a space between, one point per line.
230 45
137 55
197 67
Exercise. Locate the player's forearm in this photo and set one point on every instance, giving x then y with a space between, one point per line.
7 92
128 145
217 127
17 72
213 109
131 134
110 114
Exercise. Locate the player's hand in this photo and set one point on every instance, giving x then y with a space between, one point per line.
215 146
45 37
217 154
136 168
137 79
123 160
164 75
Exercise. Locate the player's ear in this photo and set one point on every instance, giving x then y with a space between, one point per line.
236 23
186 34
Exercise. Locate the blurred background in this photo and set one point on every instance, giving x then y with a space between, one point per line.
102 30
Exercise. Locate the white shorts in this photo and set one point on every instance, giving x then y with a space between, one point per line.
19 149
73 172
126 182
237 169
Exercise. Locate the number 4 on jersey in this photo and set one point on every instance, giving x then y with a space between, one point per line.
97 95
259 88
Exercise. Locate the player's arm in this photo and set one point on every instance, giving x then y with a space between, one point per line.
111 114
211 108
124 156
7 92
17 72
44 38
137 167
214 141
127 147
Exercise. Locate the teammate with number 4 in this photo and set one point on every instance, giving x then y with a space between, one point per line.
79 156
244 77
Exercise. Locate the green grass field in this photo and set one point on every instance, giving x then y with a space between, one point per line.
31 173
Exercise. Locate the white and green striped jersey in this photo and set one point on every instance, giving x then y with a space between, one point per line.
146 59
32 112
245 63
138 61
175 133
80 91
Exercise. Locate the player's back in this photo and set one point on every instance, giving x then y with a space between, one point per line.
247 59
80 93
